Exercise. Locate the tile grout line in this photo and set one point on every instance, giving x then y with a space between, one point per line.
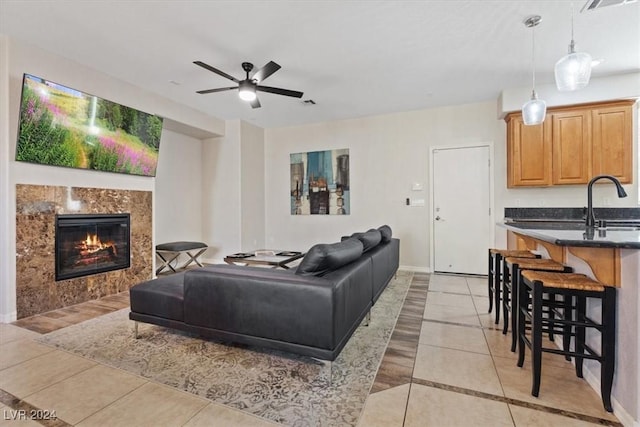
444 322
415 355
61 380
504 399
471 294
112 403
17 404
493 361
517 402
416 283
51 349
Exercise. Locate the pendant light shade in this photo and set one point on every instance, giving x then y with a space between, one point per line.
573 71
534 111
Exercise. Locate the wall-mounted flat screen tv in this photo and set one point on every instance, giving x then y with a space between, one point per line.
61 126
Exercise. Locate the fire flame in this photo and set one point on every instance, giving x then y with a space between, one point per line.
93 244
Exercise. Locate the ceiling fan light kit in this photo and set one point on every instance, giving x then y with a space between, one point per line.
247 91
247 88
573 70
535 110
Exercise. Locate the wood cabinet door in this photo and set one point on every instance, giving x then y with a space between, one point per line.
528 153
611 142
571 146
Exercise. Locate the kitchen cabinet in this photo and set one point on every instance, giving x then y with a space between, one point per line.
574 144
571 142
528 153
612 141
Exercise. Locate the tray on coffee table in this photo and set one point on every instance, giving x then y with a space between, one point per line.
265 257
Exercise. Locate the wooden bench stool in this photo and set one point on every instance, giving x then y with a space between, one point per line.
495 273
169 252
575 288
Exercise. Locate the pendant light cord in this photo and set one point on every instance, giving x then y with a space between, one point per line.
533 58
571 20
572 42
532 22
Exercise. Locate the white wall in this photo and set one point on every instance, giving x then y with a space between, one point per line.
178 189
252 186
17 58
233 196
221 193
625 86
621 86
7 255
387 155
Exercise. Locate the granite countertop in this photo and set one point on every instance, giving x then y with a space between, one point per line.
566 226
564 233
571 214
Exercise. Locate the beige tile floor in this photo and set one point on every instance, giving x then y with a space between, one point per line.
463 374
86 393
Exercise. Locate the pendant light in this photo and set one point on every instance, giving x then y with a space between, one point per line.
534 111
573 70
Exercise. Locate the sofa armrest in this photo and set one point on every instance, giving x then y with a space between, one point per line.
266 303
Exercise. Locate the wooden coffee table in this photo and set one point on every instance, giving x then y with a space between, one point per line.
267 257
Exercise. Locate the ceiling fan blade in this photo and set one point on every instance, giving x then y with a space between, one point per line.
215 70
278 91
265 71
255 103
220 89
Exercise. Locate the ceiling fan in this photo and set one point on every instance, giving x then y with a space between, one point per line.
247 88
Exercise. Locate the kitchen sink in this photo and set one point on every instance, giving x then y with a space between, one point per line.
615 228
549 225
571 225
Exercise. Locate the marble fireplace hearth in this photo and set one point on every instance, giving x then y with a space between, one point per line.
36 207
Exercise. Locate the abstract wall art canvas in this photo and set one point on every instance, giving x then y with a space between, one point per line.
320 183
60 126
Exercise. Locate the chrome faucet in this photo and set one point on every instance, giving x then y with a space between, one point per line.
591 219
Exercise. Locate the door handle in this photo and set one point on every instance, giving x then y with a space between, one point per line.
438 218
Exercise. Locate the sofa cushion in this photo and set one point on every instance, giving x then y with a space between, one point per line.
323 258
385 231
161 297
369 239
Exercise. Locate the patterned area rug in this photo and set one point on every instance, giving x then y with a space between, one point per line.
281 387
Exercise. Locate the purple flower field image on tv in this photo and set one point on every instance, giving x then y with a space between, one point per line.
61 126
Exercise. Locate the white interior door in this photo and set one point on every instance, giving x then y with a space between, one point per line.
461 209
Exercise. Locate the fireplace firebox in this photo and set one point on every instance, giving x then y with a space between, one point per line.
88 244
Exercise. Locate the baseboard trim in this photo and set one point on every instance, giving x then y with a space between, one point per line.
416 269
625 418
594 382
8 318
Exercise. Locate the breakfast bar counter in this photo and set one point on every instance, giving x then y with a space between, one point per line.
599 248
610 255
565 233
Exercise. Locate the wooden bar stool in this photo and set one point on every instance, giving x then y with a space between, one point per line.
510 280
495 271
575 288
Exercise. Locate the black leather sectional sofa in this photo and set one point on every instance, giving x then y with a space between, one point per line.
312 311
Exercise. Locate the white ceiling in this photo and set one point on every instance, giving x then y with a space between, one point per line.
353 58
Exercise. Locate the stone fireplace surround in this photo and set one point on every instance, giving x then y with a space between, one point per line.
36 207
